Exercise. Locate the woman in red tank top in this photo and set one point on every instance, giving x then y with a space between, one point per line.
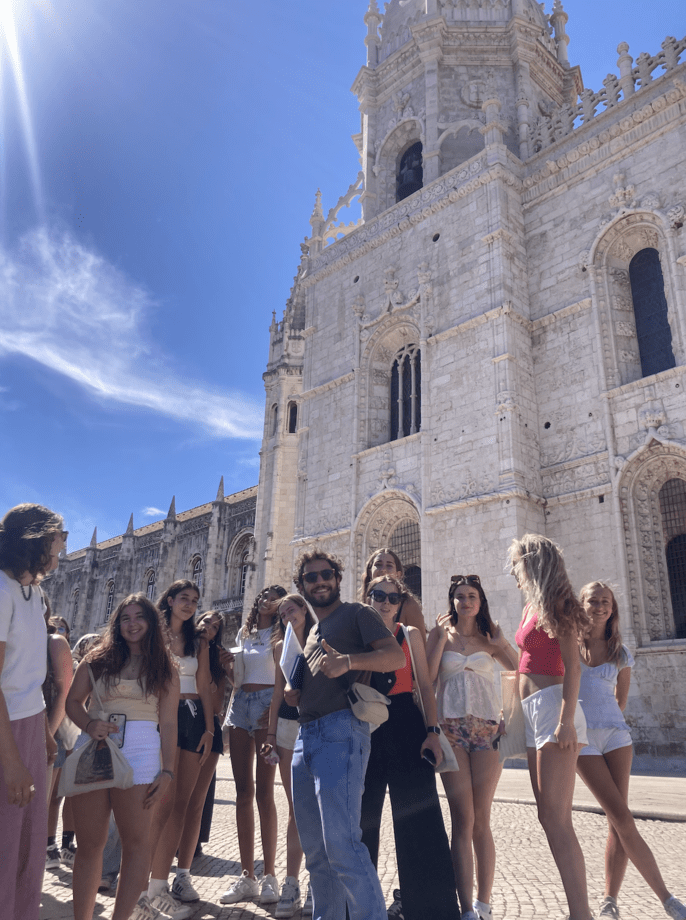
549 675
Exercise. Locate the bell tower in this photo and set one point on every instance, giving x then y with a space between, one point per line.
432 66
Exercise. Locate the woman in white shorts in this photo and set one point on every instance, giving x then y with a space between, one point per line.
134 677
281 737
549 673
605 763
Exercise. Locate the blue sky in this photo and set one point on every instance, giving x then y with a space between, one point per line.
158 166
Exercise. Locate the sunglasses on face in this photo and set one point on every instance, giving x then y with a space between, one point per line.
470 579
324 574
381 596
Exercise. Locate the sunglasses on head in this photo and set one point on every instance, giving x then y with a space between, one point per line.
324 574
380 596
470 579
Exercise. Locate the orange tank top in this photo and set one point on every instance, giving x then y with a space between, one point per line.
403 677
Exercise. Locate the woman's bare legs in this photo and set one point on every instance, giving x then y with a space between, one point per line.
92 820
191 827
294 850
266 806
552 774
608 779
187 772
133 824
486 770
458 789
162 811
242 753
54 804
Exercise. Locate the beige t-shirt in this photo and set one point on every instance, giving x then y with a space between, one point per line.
350 630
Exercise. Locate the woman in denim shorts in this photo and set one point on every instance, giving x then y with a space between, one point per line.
247 722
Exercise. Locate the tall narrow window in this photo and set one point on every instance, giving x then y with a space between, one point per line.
673 510
410 176
74 606
405 540
275 419
244 570
406 391
292 417
110 600
150 587
196 575
650 310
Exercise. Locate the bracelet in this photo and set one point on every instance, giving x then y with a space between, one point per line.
169 774
208 732
86 728
350 667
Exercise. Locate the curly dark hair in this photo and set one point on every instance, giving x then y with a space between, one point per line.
26 534
310 556
189 629
253 616
109 657
216 670
484 623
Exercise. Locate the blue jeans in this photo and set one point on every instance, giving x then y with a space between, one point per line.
329 764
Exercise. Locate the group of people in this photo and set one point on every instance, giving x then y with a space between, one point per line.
155 683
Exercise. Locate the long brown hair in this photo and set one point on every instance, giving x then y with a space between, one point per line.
539 568
484 623
109 657
367 577
612 636
279 630
188 628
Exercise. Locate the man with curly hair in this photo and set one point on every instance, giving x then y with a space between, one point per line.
332 750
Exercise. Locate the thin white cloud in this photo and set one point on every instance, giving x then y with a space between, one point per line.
69 309
152 512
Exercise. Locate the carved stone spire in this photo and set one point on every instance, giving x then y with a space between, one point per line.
317 223
372 19
129 529
94 538
220 491
171 514
559 20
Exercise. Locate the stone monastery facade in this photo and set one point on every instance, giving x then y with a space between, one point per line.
499 345
212 544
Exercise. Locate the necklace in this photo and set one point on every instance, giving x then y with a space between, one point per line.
22 592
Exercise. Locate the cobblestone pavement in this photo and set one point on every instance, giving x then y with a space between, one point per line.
527 884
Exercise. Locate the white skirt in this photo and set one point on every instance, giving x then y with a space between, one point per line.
141 749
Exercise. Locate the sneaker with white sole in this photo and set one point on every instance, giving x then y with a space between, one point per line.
270 890
144 910
675 908
609 909
244 888
483 911
469 915
52 858
395 911
289 901
183 890
307 906
165 904
68 855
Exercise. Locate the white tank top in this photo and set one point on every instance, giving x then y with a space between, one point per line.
188 668
258 658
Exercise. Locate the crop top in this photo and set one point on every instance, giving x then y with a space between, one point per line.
540 653
188 668
597 692
258 658
127 697
466 687
403 676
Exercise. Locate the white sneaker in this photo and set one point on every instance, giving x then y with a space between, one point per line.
675 908
270 890
144 910
183 890
307 906
165 904
289 901
469 915
609 909
243 889
483 911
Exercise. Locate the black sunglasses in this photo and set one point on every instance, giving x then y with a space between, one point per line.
470 579
381 596
325 574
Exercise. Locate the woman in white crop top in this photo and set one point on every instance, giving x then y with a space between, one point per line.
605 763
178 604
460 650
247 723
135 677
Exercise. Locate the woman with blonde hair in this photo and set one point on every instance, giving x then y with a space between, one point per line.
605 763
553 620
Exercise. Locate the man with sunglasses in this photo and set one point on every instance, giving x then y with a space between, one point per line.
332 750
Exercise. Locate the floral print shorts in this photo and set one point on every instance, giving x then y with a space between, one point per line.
470 733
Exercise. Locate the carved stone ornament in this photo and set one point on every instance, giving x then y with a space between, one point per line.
652 415
624 196
473 93
675 216
377 521
651 201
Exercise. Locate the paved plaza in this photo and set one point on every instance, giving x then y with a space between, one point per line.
526 885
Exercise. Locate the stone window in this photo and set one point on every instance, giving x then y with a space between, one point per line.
109 603
274 419
673 511
650 311
405 540
245 558
150 585
292 417
410 174
196 571
74 606
406 382
238 562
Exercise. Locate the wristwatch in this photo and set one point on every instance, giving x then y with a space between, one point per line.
433 728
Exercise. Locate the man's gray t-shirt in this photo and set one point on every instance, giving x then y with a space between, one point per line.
350 630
